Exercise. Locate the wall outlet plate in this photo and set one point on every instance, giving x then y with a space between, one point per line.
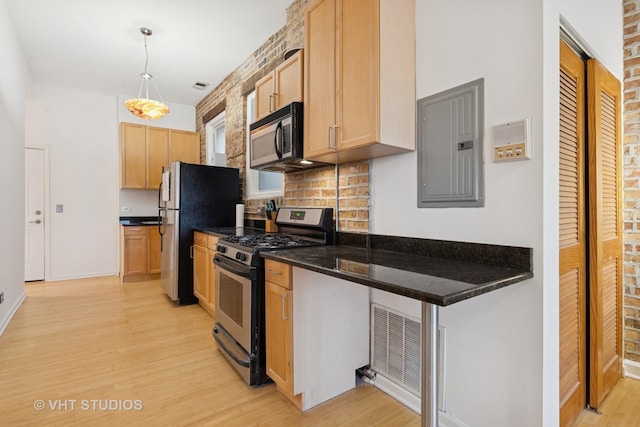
126 209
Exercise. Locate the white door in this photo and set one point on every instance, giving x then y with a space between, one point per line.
34 215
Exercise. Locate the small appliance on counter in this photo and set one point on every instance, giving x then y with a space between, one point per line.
191 197
239 331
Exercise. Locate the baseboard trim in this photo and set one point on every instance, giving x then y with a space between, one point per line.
81 276
412 401
631 369
405 397
12 312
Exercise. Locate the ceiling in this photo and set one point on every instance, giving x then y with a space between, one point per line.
96 45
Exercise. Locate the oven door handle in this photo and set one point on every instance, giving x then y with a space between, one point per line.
240 271
221 343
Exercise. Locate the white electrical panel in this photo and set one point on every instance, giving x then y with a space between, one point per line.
512 141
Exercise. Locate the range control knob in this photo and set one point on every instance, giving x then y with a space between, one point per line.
241 256
221 249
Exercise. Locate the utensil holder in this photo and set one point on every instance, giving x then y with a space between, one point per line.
270 224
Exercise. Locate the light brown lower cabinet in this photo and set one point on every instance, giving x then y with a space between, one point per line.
279 328
140 257
204 276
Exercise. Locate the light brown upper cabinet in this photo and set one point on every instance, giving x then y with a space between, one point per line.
280 87
359 79
144 150
133 156
184 146
157 155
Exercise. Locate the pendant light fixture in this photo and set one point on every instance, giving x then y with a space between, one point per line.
147 108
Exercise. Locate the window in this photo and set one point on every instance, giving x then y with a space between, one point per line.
260 184
216 154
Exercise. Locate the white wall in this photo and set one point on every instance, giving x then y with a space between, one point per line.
79 129
14 80
183 117
140 202
502 360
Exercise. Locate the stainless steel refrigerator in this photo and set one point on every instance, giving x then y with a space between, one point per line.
191 197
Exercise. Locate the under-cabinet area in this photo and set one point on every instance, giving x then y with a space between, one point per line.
317 333
140 257
204 276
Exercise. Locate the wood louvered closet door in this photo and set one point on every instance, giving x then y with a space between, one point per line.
590 229
605 232
573 250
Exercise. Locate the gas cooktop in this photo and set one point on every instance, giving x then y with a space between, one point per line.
269 241
299 227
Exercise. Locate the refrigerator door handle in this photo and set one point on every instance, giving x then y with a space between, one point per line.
162 227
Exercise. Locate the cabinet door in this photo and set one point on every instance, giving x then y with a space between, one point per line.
154 258
289 81
357 73
184 147
132 156
319 78
211 281
278 336
264 95
135 255
200 272
157 155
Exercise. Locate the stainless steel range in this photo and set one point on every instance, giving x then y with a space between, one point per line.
240 292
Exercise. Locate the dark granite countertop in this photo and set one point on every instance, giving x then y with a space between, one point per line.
223 232
438 272
251 226
138 220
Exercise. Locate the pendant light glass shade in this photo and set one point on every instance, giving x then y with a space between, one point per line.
147 108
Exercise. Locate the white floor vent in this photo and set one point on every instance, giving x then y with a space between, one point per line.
396 347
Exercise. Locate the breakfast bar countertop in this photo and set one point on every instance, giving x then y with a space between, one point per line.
437 272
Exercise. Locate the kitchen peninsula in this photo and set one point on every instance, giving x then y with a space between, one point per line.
438 273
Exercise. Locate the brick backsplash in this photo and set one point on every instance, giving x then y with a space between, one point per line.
631 193
310 188
317 188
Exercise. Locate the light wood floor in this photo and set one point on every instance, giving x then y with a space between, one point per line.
96 339
621 408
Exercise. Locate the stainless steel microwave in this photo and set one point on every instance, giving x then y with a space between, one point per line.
276 141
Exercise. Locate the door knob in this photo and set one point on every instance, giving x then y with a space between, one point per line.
37 221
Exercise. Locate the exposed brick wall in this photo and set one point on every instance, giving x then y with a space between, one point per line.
631 193
317 188
312 188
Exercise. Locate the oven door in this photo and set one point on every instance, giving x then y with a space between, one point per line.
234 299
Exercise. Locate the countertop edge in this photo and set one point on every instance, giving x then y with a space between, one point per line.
442 301
138 221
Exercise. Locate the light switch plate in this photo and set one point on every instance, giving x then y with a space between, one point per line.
512 141
59 208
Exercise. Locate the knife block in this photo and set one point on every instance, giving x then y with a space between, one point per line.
270 224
